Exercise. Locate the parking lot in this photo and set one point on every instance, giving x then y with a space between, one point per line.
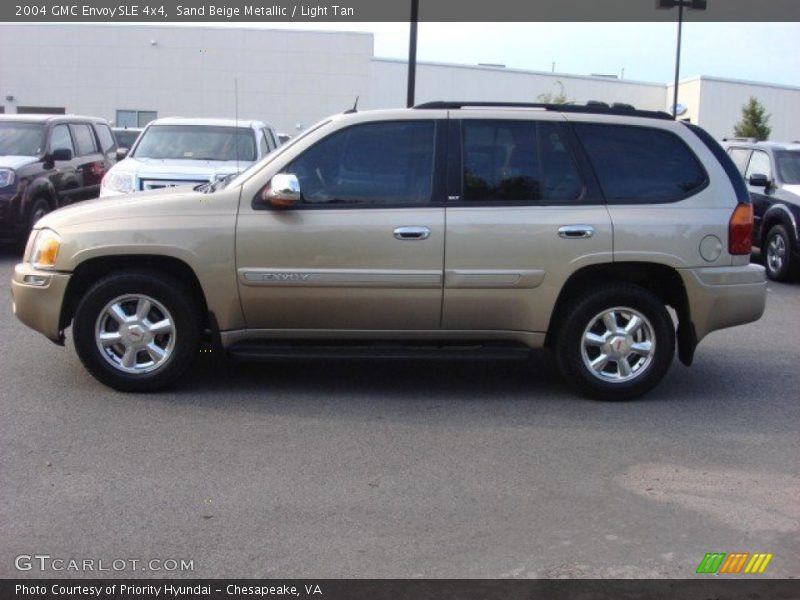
409 469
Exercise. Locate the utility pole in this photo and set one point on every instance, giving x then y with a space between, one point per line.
412 53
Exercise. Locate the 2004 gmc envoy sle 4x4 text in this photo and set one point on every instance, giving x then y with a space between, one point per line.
445 228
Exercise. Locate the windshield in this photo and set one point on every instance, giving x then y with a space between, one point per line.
21 139
788 163
197 142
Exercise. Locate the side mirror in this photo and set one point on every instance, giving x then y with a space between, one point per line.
60 154
759 180
283 191
122 153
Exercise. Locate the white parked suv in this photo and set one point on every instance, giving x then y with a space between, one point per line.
178 151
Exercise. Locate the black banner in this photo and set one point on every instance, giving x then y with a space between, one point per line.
403 589
342 11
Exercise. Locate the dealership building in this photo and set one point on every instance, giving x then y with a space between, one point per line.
130 74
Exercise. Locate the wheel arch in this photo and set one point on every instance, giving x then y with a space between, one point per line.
662 280
91 270
778 214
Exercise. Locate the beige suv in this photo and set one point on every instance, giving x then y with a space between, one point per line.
449 228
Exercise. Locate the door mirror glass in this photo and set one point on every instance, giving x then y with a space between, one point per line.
283 191
61 154
759 180
122 153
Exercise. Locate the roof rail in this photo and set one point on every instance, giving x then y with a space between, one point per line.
596 108
749 140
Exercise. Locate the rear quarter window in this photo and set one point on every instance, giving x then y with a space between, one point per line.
636 164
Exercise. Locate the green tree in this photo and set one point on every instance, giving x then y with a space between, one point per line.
754 122
551 98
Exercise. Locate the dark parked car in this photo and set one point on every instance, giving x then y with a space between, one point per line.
48 161
772 173
126 136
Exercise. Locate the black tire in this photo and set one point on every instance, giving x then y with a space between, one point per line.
39 208
174 299
779 267
582 312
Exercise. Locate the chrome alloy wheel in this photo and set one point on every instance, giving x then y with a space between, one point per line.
618 345
776 253
135 334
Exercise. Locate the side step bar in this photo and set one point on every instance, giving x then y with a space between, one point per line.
258 351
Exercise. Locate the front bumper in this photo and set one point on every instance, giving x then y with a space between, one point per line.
721 297
38 304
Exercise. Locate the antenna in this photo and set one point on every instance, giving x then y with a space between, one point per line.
354 109
236 119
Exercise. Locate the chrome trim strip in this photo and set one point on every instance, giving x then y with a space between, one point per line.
340 278
493 278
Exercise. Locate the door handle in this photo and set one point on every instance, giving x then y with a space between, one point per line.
575 232
412 233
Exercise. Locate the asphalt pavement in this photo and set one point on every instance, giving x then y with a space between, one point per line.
402 469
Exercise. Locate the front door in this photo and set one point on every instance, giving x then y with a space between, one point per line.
364 248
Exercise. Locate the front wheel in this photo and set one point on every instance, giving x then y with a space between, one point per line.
615 343
136 331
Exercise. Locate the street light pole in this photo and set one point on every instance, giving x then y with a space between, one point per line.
412 54
677 61
691 5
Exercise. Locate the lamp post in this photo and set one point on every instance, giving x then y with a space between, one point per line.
691 5
412 53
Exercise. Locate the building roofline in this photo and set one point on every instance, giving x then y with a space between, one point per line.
701 78
522 71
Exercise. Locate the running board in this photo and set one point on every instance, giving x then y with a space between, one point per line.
257 351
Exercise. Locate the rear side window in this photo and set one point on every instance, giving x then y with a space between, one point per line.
84 139
382 164
735 177
518 161
106 138
641 164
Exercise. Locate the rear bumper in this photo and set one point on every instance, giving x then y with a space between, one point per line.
39 306
721 297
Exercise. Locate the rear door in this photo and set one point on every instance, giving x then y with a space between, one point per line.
89 161
364 248
522 215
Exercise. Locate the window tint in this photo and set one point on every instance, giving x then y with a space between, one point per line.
106 138
788 166
60 138
759 163
641 163
375 163
517 161
740 157
84 139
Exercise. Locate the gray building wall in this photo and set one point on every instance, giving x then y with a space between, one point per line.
292 79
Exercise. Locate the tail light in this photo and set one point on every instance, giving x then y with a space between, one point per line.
740 229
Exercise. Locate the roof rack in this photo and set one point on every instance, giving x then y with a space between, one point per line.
593 107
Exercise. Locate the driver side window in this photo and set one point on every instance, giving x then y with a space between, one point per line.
384 164
60 138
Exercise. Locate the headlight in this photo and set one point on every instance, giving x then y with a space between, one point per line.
7 177
118 181
45 249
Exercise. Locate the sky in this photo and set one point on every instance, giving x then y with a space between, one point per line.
765 52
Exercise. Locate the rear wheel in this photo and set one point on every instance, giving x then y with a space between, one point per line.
616 343
137 331
778 254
